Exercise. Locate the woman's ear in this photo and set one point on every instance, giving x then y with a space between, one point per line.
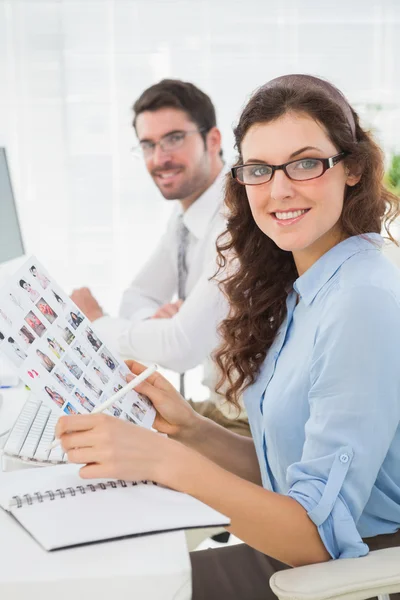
351 178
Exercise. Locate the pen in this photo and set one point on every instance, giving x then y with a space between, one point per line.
127 388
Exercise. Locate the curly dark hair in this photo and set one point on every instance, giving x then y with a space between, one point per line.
257 286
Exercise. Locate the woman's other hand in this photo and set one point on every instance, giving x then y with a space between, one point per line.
175 416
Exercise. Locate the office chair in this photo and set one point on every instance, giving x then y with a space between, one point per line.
377 574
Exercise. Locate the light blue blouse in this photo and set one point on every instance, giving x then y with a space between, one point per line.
325 409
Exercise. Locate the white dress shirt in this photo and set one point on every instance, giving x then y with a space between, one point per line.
187 339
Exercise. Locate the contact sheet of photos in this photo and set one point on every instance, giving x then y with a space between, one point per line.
56 351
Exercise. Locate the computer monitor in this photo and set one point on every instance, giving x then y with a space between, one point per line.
11 244
11 247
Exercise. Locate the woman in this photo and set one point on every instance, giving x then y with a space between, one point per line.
76 320
33 294
43 280
47 363
47 311
73 368
84 400
103 378
19 353
108 360
311 337
55 396
59 299
55 347
96 391
26 335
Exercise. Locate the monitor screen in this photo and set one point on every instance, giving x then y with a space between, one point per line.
11 245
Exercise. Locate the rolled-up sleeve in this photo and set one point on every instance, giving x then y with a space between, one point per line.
354 401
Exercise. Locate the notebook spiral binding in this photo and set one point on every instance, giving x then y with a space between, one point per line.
29 499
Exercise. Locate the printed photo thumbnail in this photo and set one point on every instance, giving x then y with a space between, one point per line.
92 387
5 318
70 410
146 401
108 359
115 410
35 323
39 276
100 374
63 380
61 302
93 339
17 300
45 361
66 334
84 400
82 352
55 347
138 411
12 350
33 294
126 417
72 367
54 395
46 310
124 375
75 318
27 338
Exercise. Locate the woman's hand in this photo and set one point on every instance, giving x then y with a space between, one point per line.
174 415
112 448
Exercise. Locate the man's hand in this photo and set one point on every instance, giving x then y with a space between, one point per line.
88 304
168 310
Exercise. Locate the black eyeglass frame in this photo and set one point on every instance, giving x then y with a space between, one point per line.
139 150
327 163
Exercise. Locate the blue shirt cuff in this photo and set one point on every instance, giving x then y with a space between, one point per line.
338 531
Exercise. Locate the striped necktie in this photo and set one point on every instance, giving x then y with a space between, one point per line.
183 241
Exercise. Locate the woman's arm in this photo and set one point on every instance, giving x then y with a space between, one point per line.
177 418
233 452
274 524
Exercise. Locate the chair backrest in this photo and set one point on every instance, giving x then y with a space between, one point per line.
377 574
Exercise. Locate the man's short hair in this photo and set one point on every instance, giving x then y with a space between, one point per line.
182 95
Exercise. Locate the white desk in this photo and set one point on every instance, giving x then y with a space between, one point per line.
154 567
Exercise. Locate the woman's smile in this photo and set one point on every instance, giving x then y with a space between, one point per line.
289 217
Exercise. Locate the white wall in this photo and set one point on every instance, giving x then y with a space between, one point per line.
70 71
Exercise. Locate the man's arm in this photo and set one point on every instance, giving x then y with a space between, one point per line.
178 343
152 287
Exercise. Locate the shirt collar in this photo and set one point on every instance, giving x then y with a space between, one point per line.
313 280
198 216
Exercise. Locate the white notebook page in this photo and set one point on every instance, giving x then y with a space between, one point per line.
101 514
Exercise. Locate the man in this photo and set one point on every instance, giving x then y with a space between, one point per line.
175 123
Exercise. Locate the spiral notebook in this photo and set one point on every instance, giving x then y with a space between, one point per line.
60 510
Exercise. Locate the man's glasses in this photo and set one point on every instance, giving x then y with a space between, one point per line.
168 143
297 170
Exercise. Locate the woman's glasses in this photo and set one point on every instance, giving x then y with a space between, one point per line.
303 169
